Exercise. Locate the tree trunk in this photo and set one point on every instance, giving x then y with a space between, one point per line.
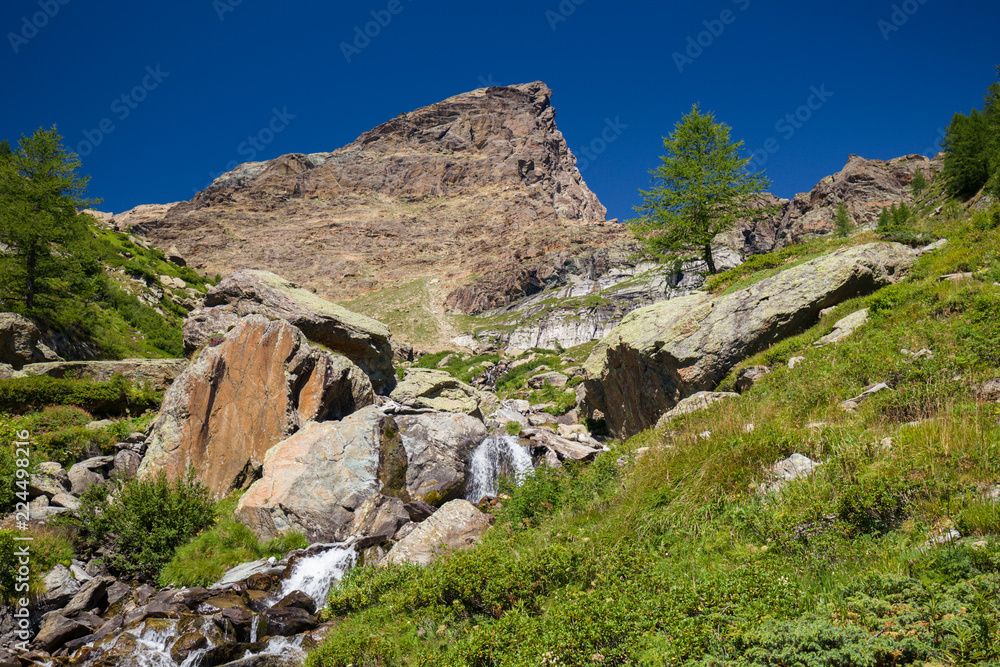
709 259
30 267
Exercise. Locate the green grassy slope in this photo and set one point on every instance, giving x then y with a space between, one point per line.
671 551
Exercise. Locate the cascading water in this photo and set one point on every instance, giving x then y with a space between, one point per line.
496 456
315 574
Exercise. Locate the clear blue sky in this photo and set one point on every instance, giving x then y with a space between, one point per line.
201 76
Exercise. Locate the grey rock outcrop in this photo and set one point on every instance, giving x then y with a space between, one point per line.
359 338
20 342
664 353
437 448
314 481
428 389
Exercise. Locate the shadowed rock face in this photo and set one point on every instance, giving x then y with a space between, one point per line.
238 399
666 352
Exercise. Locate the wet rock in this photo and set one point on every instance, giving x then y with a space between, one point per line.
241 572
438 447
187 644
222 602
299 600
288 621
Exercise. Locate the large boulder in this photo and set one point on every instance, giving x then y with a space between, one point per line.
456 526
243 396
315 480
425 388
20 342
438 446
663 353
361 339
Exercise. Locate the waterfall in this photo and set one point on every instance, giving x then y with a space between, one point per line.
496 456
314 575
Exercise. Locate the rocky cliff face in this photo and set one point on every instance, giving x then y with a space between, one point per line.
480 183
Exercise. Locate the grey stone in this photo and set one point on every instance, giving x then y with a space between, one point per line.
844 328
438 447
694 403
81 477
66 500
456 526
748 377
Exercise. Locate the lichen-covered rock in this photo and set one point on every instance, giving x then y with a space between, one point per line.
666 352
425 388
20 342
438 446
246 292
456 526
844 328
694 403
240 398
315 480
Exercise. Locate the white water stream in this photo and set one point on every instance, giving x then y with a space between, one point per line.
497 456
313 575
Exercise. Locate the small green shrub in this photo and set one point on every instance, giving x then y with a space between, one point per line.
874 506
46 548
114 397
364 586
514 428
142 524
221 547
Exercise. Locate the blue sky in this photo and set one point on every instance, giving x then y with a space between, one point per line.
160 96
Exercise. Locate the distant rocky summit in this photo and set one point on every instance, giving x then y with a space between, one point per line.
478 203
